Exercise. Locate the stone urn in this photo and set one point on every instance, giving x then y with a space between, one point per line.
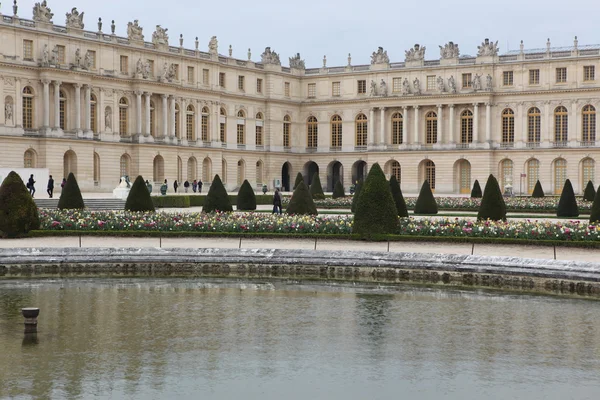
30 312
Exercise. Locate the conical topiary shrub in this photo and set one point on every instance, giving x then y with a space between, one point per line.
476 191
426 204
589 193
246 199
316 190
18 212
299 178
217 198
537 190
70 196
595 211
301 201
139 197
398 197
492 204
376 212
338 190
356 195
567 205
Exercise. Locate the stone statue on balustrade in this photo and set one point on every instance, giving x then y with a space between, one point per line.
450 50
139 67
213 45
405 87
383 91
451 84
107 118
77 63
45 56
297 62
488 82
417 53
160 36
373 89
54 59
270 57
87 61
134 31
440 84
8 112
42 13
477 82
380 57
74 19
487 48
416 86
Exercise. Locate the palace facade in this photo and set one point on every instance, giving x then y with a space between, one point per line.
87 101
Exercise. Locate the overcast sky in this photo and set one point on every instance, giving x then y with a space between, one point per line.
335 28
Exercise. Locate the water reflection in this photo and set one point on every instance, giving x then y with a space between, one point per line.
227 339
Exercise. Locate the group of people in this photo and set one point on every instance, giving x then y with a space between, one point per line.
196 185
49 189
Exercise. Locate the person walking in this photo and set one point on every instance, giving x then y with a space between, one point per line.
186 186
63 183
199 186
277 202
195 185
175 185
50 188
30 185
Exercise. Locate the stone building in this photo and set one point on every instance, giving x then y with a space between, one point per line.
103 106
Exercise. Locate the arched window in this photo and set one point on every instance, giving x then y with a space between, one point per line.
206 170
190 123
396 171
336 131
508 126
287 128
177 115
124 165
259 129
464 171
205 114
241 172
159 169
361 130
431 122
70 163
397 128
430 173
27 108
96 169
533 174
588 131
93 114
561 124
29 160
587 171
62 110
466 127
259 172
222 126
191 169
152 119
560 175
534 118
123 123
506 173
312 132
241 127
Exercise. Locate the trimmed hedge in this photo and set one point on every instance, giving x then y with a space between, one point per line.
70 197
246 199
301 202
492 204
476 191
567 205
426 204
537 190
316 189
18 212
595 211
198 200
299 178
356 195
398 197
139 198
171 201
217 198
589 193
338 190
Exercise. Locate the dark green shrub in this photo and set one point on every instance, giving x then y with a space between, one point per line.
595 211
357 189
246 199
492 205
301 201
171 201
376 211
589 193
338 190
426 204
537 190
18 212
217 198
316 190
139 197
299 178
398 197
70 196
567 205
476 191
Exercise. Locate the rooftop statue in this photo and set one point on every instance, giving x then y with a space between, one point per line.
380 57
134 31
213 45
42 13
417 53
487 48
270 57
160 36
450 50
74 19
297 62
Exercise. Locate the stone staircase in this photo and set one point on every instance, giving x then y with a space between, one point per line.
90 204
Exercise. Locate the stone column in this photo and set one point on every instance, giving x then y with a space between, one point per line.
138 112
165 116
382 127
547 131
100 111
476 123
2 105
520 121
405 125
88 108
147 129
46 106
451 125
371 125
172 117
416 125
215 121
57 104
77 107
488 122
439 124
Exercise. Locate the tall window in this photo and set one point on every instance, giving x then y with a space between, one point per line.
29 159
241 83
152 118
560 175
396 171
467 81
259 172
534 77
589 73
124 64
466 127
506 173
93 113
190 122
205 77
361 130
28 50
533 174
190 75
124 165
507 78
336 131
222 79
259 85
287 125
561 124
286 89
177 115
431 84
61 54
430 173
362 86
191 169
312 132
205 115
396 85
335 89
259 129
431 123
508 126
27 108
312 90
534 125
561 75
241 127
62 110
397 128
123 106
587 171
588 130
464 170
223 126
